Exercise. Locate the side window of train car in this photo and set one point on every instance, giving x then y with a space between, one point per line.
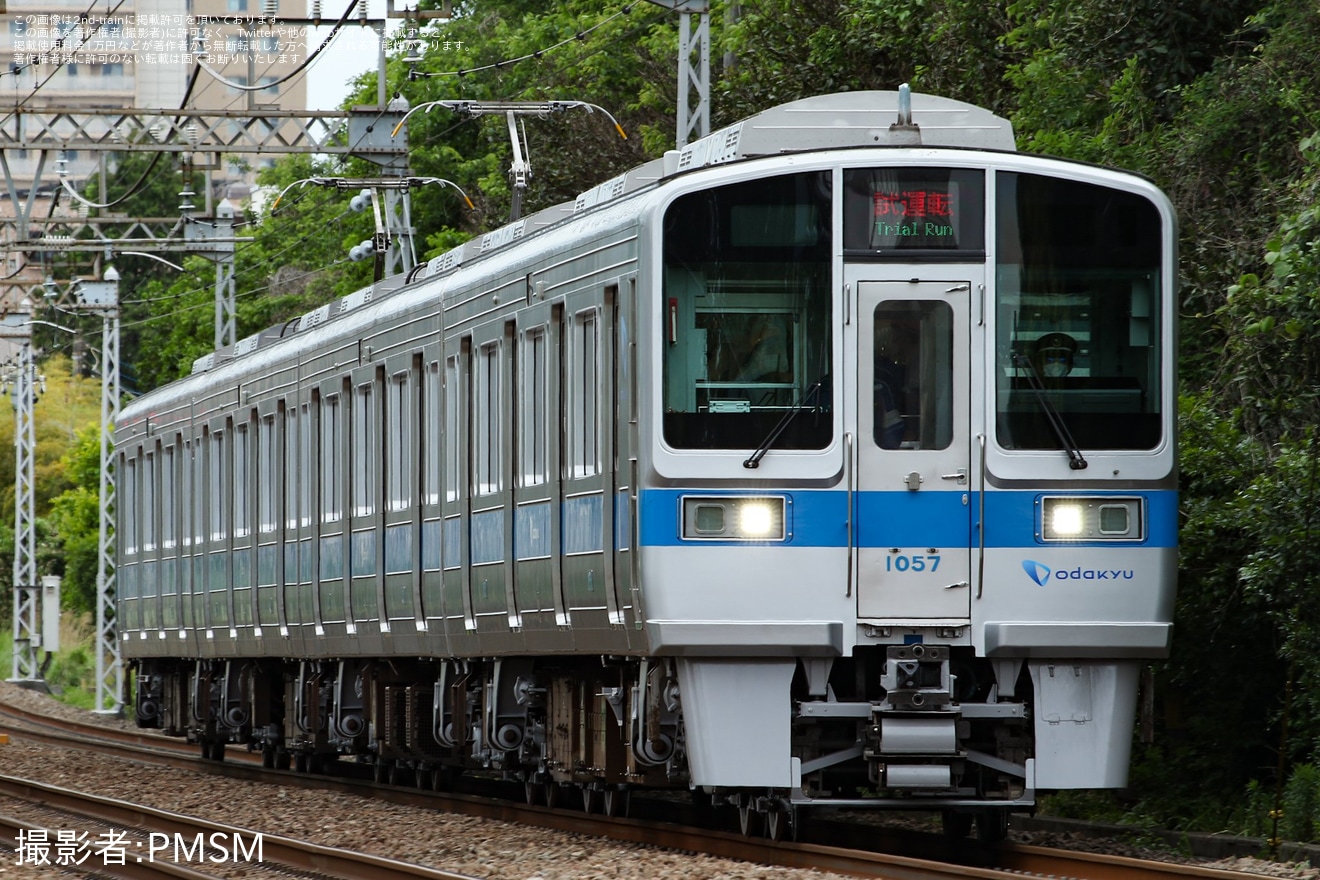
148 516
217 485
242 480
197 489
453 459
330 465
306 464
487 443
186 493
168 496
268 474
128 518
584 395
365 446
533 447
293 472
398 438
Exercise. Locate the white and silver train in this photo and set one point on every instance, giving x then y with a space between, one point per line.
829 460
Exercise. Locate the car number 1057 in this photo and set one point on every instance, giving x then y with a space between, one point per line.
900 562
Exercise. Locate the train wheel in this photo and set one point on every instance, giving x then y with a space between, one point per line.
779 823
614 802
531 792
749 821
300 763
590 799
441 779
380 772
422 778
552 794
282 757
397 774
268 758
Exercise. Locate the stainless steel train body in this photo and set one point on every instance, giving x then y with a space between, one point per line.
829 460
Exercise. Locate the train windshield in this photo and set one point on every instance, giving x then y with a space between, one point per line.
1077 315
747 315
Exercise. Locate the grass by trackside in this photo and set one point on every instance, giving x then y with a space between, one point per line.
71 671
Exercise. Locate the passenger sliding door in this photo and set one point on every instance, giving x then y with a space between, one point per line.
914 512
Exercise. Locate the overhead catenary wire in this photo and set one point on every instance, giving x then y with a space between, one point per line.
141 181
242 87
580 35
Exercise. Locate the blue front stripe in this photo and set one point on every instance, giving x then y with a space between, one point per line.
904 519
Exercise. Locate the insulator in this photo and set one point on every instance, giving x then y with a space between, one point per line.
362 251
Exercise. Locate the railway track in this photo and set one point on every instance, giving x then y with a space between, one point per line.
161 839
1008 860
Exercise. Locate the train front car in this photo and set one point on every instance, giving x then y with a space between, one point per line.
909 529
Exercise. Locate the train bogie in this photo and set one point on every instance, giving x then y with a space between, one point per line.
796 478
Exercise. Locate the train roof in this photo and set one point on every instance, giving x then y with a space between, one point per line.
836 121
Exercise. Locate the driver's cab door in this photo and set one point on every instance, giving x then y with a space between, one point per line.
914 531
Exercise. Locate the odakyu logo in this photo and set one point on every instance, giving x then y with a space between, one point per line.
1040 573
1037 572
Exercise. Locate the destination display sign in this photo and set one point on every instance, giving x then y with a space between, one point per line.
892 211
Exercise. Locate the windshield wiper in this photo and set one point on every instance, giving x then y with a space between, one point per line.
1075 459
754 460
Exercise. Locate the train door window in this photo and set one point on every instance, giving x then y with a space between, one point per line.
128 518
168 497
331 465
452 452
487 442
398 439
218 487
198 489
584 388
242 481
306 464
149 502
267 519
912 380
366 446
292 470
534 411
433 439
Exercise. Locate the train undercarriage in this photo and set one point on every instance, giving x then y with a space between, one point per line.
912 727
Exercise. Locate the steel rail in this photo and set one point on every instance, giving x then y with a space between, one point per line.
300 854
11 827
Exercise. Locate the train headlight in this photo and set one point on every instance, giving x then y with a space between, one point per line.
1065 520
744 518
1091 519
756 520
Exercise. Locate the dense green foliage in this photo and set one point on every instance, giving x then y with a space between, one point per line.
1218 102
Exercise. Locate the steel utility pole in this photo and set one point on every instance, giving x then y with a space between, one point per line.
103 297
16 327
693 67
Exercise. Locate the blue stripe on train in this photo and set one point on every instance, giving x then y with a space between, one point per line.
903 519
